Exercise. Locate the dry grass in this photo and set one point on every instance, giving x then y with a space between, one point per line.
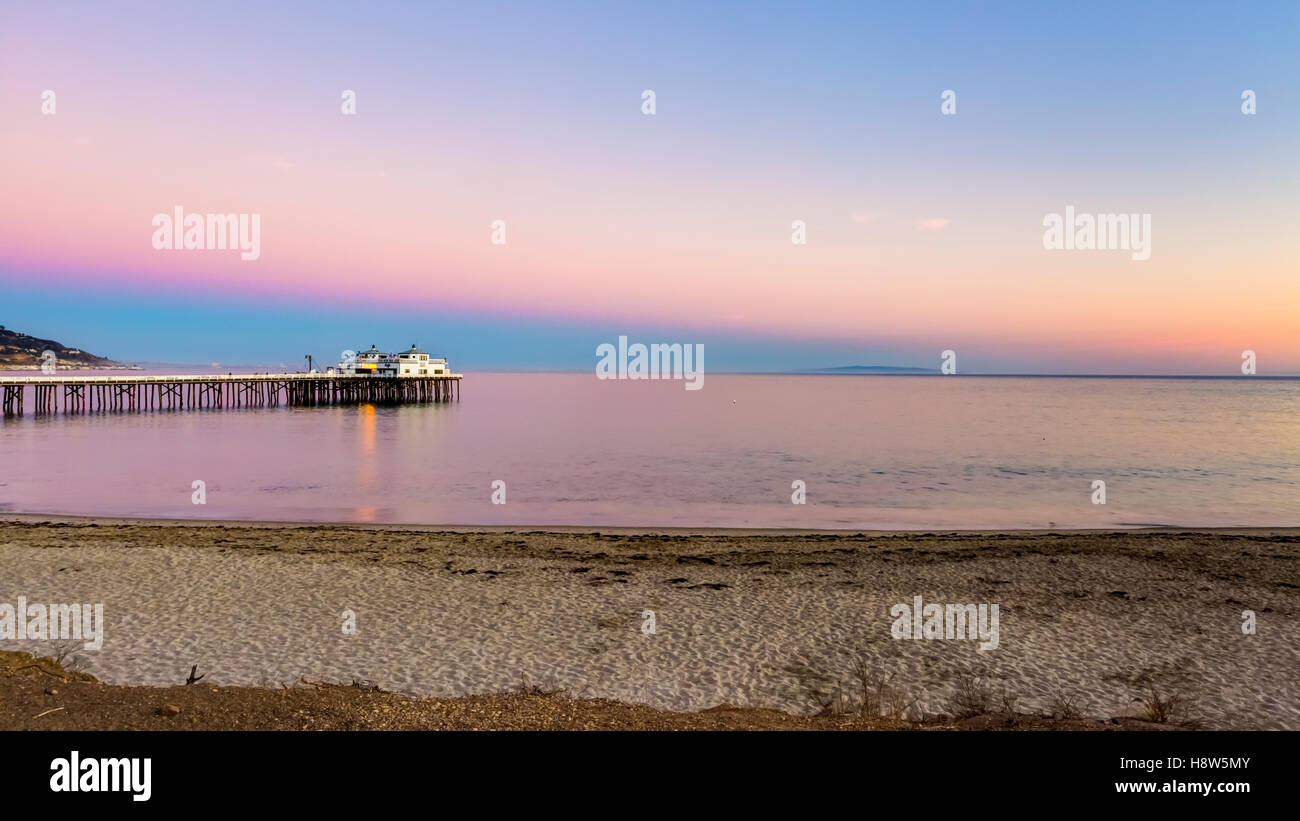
1065 705
972 695
1166 696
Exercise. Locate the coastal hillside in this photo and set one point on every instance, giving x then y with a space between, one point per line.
21 352
873 369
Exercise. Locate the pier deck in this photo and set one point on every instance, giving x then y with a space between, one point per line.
145 393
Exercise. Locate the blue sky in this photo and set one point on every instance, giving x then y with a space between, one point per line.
924 230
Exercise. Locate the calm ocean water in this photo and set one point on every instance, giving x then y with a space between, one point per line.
874 452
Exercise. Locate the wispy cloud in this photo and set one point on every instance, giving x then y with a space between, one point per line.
864 217
932 224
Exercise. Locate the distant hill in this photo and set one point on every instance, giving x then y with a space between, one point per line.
882 369
20 352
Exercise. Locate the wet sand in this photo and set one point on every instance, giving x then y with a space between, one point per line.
1102 623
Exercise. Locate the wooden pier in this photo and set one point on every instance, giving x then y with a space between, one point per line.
82 394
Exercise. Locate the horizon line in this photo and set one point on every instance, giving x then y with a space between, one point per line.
799 372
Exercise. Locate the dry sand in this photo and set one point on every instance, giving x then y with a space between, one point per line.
750 619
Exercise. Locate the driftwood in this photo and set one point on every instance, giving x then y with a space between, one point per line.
357 683
46 672
193 678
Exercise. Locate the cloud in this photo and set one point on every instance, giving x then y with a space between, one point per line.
932 224
864 217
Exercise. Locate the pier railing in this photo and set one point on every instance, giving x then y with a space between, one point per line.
143 393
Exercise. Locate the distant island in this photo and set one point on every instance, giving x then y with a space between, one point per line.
20 352
871 369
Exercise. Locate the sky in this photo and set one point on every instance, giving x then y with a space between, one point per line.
924 230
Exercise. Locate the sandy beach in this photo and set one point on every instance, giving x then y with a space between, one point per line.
1098 624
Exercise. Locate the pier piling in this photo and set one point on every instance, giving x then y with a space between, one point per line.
145 393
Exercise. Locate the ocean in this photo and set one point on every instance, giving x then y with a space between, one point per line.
865 452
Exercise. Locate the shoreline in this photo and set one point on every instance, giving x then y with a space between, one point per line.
1106 623
7 517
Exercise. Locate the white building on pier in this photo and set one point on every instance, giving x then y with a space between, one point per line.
411 362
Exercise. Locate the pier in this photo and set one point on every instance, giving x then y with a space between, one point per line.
81 394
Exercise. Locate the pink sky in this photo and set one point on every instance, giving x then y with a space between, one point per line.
611 215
